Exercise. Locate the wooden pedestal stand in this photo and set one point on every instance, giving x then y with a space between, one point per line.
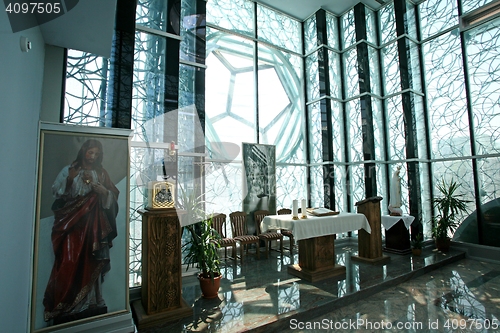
161 269
370 244
397 239
317 259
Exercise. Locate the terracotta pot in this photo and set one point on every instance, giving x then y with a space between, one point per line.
209 288
416 252
443 245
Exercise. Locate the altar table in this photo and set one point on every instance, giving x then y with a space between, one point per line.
316 236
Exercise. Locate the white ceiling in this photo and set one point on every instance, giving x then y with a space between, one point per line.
88 27
302 9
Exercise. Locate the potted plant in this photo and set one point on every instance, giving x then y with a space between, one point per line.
449 206
416 245
203 253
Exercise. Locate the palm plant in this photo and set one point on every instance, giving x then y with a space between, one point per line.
449 205
203 249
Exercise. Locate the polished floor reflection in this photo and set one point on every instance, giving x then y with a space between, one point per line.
434 292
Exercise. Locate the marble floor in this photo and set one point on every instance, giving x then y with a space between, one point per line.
434 292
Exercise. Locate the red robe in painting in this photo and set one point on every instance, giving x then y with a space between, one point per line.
81 237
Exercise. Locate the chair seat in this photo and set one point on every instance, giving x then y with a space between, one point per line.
286 232
246 238
271 236
227 241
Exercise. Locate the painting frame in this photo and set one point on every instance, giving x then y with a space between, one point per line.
259 180
58 148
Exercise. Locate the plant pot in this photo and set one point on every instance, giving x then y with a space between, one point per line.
209 288
443 245
416 252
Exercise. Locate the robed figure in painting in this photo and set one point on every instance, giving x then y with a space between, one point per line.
85 212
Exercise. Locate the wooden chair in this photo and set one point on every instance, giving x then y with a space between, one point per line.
240 233
286 232
219 224
267 237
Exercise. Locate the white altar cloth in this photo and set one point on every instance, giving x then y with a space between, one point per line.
389 221
316 226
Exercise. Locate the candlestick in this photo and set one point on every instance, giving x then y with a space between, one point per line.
303 208
295 209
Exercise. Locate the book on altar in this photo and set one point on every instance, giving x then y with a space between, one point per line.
321 211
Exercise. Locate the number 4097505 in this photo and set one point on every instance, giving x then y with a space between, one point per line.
33 8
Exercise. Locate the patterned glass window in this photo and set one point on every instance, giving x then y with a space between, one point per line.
148 88
334 72
152 14
338 137
446 100
229 103
437 15
280 104
351 81
86 83
348 31
355 132
483 62
469 5
310 34
233 15
332 31
278 29
390 65
312 76
315 133
395 128
387 23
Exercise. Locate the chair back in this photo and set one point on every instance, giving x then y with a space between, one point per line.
219 224
238 223
258 217
284 211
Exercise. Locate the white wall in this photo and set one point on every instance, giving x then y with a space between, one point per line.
21 76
